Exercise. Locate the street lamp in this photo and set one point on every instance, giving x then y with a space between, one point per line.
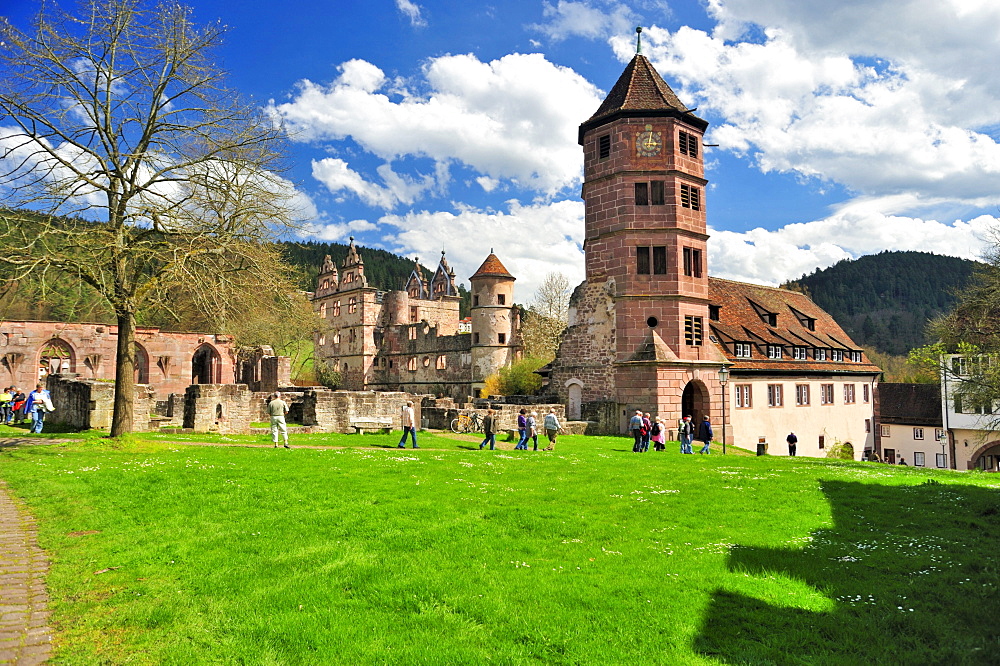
723 380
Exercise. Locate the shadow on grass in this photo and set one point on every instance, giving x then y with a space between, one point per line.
933 548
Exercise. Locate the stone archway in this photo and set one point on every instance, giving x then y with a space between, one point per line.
695 401
141 365
56 357
206 365
986 457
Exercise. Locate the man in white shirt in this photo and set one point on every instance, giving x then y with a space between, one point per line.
277 409
408 425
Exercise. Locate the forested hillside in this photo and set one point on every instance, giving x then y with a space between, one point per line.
885 300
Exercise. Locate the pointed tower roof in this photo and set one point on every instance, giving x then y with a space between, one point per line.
641 91
493 268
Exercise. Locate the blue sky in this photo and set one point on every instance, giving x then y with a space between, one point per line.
845 128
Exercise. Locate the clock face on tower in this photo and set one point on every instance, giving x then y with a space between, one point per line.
648 143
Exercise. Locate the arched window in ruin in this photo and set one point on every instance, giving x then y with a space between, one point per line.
336 309
141 365
352 304
574 391
56 357
322 310
206 365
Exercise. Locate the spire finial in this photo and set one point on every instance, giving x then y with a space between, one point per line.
638 40
352 239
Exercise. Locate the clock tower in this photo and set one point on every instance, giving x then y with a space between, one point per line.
645 299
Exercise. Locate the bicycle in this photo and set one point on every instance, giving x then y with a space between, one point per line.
466 423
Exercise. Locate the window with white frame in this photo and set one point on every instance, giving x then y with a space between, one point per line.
774 395
939 434
774 351
960 365
941 460
802 394
836 354
799 353
856 356
743 396
826 394
918 433
918 458
819 354
742 349
884 430
848 394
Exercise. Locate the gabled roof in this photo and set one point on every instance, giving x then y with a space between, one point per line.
641 91
912 404
740 308
492 268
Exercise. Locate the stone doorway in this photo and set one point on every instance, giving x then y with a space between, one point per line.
695 402
206 365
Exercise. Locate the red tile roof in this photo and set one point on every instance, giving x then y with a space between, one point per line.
492 268
742 310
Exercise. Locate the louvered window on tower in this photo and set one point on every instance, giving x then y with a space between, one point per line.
604 146
690 197
642 194
688 144
642 260
692 330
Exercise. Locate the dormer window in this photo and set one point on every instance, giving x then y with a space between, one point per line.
804 319
856 356
819 354
799 353
774 351
742 349
836 355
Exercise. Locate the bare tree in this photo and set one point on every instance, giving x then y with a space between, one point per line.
143 172
546 317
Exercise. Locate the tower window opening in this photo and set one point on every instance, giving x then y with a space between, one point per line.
604 147
502 338
656 192
692 262
659 260
642 260
688 144
501 299
690 197
692 331
641 194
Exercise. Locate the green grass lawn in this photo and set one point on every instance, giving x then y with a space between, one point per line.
165 553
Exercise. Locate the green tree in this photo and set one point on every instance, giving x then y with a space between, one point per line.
122 119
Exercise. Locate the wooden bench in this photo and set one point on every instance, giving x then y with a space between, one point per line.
371 425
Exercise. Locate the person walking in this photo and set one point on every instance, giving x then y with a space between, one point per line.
277 409
635 427
705 435
792 443
37 405
409 426
6 398
16 405
532 431
685 431
522 430
647 430
656 434
488 428
551 429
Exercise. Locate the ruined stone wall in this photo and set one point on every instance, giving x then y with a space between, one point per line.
165 358
333 411
222 408
89 404
587 346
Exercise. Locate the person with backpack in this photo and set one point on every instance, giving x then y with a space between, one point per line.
656 434
792 443
647 429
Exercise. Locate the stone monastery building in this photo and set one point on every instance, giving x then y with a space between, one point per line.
410 340
649 329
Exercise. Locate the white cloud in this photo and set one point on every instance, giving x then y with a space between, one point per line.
336 231
583 19
513 119
530 240
336 176
412 11
858 228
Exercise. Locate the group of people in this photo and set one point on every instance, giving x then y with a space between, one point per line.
527 428
646 430
15 407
